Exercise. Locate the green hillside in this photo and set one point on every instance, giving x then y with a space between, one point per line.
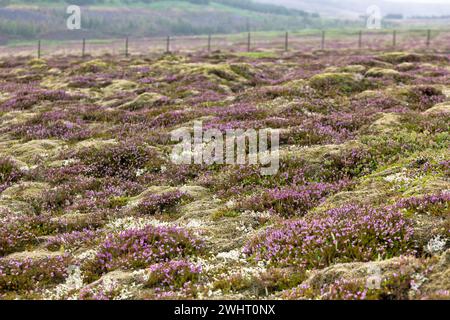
46 19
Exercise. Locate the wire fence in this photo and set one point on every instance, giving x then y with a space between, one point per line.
375 40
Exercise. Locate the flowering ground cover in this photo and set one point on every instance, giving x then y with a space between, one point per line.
93 207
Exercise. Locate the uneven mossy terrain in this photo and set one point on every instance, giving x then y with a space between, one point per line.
91 207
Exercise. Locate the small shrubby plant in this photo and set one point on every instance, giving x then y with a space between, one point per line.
349 233
172 275
134 249
161 203
9 173
32 274
122 160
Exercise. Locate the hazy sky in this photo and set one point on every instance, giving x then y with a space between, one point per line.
357 7
422 1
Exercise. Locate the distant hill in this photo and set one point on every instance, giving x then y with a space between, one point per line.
28 19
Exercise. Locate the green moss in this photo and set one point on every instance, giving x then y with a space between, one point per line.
118 202
400 57
147 99
37 63
406 66
95 65
295 84
257 55
442 108
414 95
120 85
336 83
225 213
244 70
353 68
382 73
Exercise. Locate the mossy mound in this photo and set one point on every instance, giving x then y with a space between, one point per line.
413 95
386 123
35 150
353 68
93 66
221 73
119 85
145 100
297 84
439 109
400 57
25 191
336 83
382 73
37 63
406 66
245 70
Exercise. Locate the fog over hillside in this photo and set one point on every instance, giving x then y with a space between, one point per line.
353 8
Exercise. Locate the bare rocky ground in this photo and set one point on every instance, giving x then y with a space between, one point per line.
91 206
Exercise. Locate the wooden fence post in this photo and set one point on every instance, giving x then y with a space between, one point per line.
249 38
286 42
168 44
322 45
428 38
83 48
394 38
209 42
126 47
360 39
39 49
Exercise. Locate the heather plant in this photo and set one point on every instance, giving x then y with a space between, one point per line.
32 274
396 287
21 232
418 122
9 173
89 81
64 195
292 201
434 204
73 240
134 249
172 275
161 203
349 233
122 160
233 180
346 164
53 125
424 97
26 99
105 289
174 175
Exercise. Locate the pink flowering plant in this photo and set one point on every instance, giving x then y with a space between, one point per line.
346 234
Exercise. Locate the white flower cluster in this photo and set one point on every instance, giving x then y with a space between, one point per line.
86 255
417 281
67 290
195 223
140 172
257 214
399 177
127 223
233 255
436 245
